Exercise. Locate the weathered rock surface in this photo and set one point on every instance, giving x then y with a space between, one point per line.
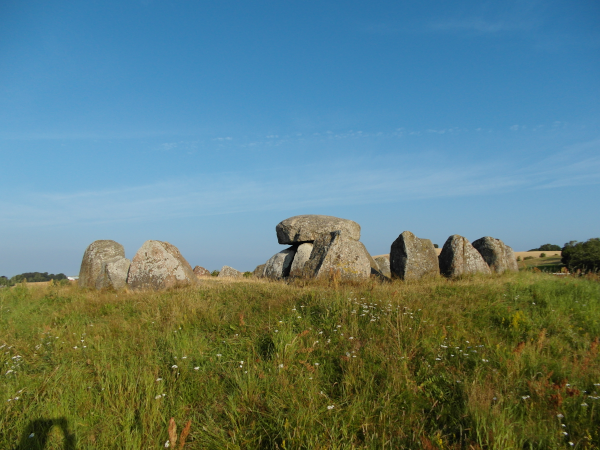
374 266
300 258
159 265
113 274
229 272
278 266
499 256
412 258
336 252
307 228
93 257
383 262
259 271
459 257
201 272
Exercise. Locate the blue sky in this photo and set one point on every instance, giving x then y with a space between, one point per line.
204 124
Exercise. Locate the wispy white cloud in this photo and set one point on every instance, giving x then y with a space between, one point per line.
353 182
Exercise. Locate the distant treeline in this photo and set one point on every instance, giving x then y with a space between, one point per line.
31 277
547 248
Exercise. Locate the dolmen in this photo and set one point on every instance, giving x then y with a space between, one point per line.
320 246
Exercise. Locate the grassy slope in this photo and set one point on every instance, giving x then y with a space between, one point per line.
474 363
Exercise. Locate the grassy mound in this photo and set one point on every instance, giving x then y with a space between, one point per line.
497 362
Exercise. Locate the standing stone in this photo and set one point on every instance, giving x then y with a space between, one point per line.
97 253
259 271
459 257
335 252
302 256
499 256
229 272
113 274
383 262
201 272
159 265
307 228
278 266
412 258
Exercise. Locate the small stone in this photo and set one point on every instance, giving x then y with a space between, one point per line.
230 272
459 257
307 228
259 271
201 272
412 258
383 262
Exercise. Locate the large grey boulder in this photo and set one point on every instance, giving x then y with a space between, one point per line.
93 257
201 272
278 266
499 256
412 258
383 262
159 265
300 258
229 272
113 274
338 253
459 257
307 228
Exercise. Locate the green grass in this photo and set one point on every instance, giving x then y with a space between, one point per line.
501 362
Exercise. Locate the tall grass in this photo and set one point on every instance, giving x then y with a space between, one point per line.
496 362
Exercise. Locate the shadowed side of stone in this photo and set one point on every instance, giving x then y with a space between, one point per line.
412 258
93 257
278 266
113 274
499 256
229 272
307 228
459 257
300 258
159 265
335 253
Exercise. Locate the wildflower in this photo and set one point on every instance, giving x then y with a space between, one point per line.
159 379
167 444
525 397
560 416
564 433
330 407
316 364
584 404
351 338
281 366
197 368
157 397
571 444
174 366
219 355
31 435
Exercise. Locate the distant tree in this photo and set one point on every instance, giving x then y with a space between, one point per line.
215 273
546 248
36 277
436 246
584 256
